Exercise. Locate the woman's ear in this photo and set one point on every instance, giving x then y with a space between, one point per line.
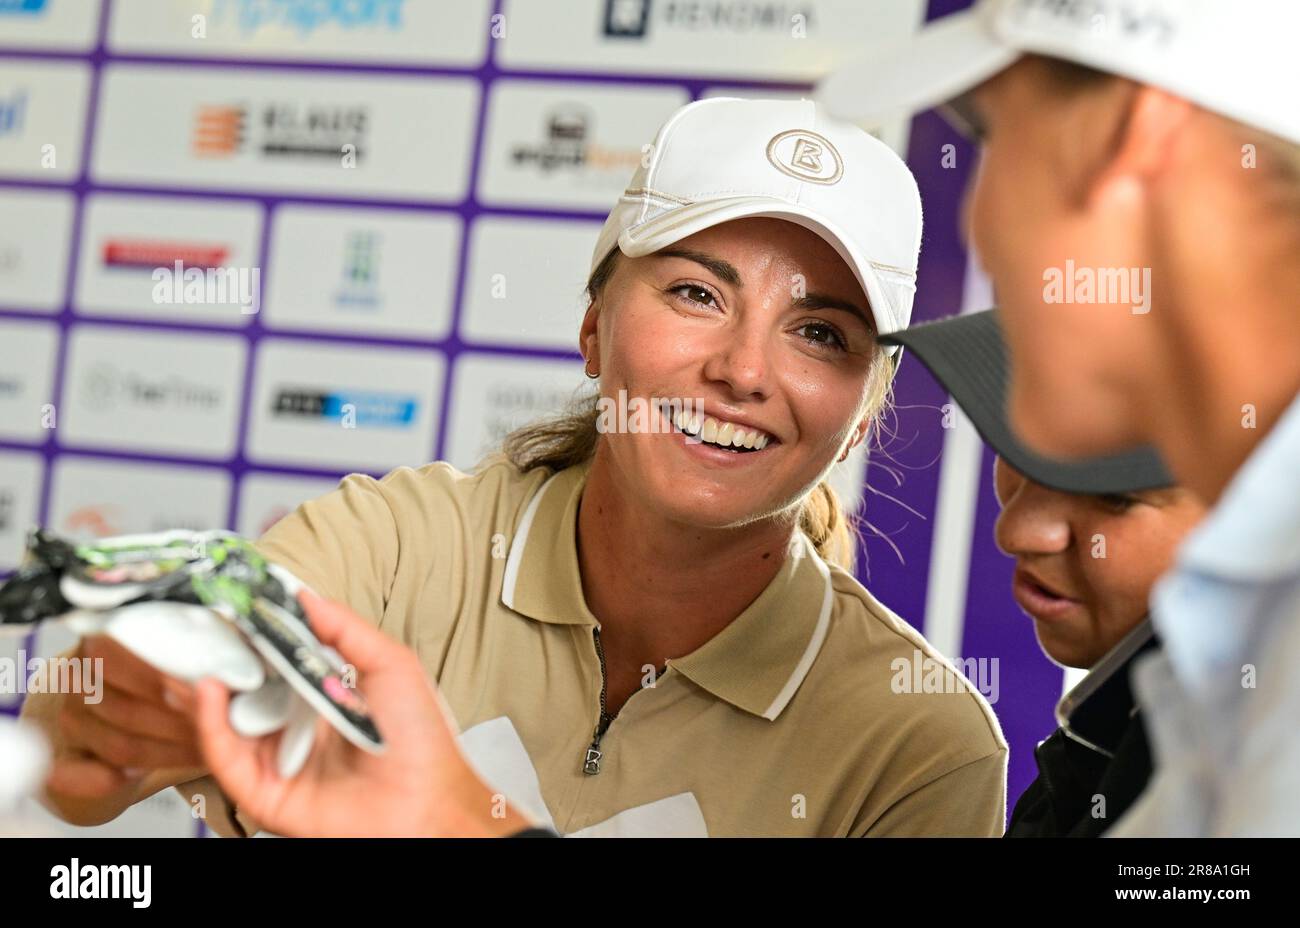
589 334
859 433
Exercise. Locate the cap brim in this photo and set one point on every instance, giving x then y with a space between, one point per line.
944 60
676 224
967 355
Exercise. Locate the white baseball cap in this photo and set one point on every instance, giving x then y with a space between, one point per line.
1237 58
724 158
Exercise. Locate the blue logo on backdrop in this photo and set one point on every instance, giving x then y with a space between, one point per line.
22 6
307 16
12 110
366 409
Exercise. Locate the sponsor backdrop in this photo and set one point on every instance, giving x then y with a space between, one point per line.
226 225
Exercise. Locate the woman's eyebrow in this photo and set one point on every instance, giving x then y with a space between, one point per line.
822 301
721 269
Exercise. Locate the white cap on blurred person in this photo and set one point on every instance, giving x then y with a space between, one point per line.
723 158
1233 57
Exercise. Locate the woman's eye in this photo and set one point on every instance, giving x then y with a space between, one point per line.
693 293
820 333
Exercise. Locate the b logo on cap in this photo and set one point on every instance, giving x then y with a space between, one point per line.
806 156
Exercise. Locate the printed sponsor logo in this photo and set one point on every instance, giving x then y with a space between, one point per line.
360 285
367 409
1124 19
307 16
566 144
218 131
104 520
106 386
283 131
632 18
13 112
22 7
153 253
805 156
627 18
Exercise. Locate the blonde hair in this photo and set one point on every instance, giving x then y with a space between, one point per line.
569 439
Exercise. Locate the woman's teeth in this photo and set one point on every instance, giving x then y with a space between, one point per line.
722 434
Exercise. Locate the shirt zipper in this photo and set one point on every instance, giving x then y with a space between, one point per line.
591 762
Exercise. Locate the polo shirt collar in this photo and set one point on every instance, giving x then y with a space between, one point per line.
756 663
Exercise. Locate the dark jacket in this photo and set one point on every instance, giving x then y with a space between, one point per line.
1104 754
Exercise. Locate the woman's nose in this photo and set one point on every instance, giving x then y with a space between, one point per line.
740 361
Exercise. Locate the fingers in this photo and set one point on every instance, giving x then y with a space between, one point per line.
80 776
135 716
361 644
111 744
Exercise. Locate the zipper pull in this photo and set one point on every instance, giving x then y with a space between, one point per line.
591 764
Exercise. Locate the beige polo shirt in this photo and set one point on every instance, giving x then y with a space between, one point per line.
788 722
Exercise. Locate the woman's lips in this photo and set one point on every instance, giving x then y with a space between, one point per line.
1039 601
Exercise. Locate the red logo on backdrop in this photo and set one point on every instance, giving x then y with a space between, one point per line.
151 253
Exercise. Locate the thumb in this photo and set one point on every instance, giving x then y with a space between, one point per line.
232 759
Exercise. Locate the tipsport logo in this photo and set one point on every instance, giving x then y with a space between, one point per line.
23 7
306 17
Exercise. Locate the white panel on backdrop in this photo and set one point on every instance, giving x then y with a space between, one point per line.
128 242
265 499
27 353
894 133
336 407
20 499
493 394
94 498
371 272
42 119
568 145
357 135
34 243
768 40
525 281
67 25
149 391
377 31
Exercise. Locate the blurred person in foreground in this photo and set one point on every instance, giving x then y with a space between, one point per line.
1137 207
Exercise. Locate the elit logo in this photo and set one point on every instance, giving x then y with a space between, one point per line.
88 881
806 156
